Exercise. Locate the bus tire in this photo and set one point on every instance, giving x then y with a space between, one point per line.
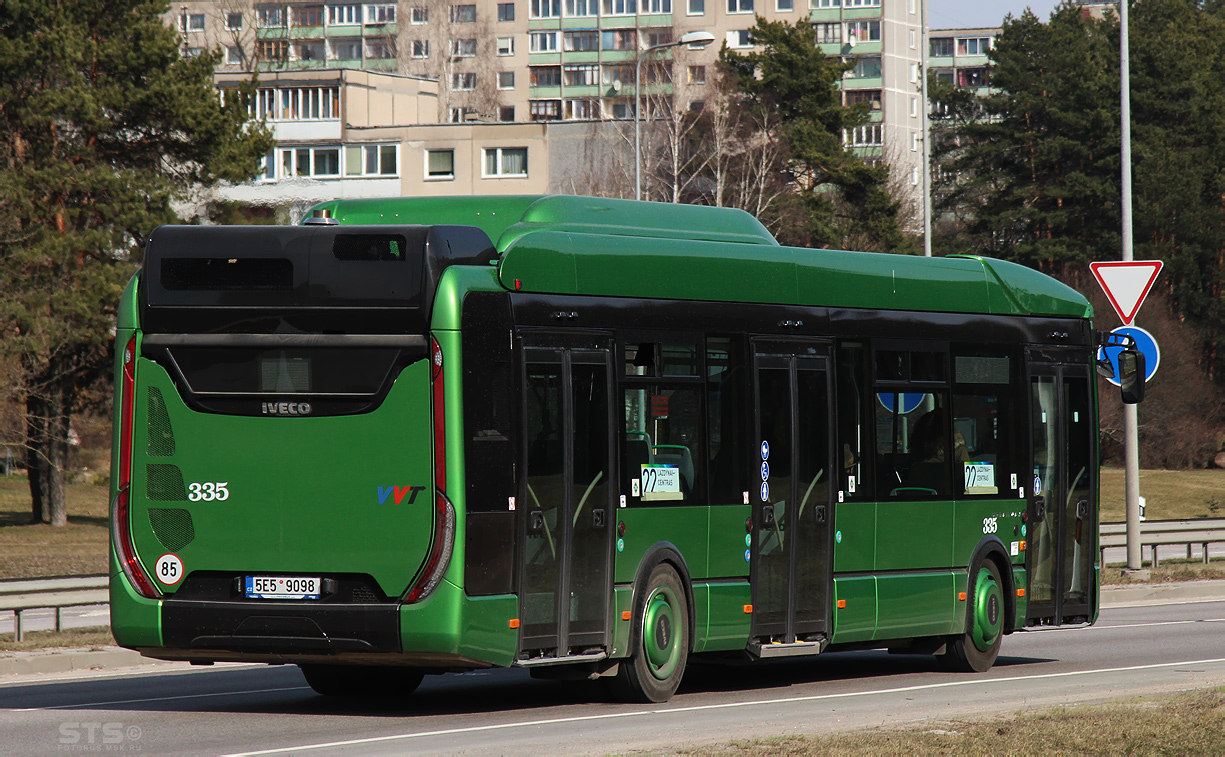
657 661
383 683
975 650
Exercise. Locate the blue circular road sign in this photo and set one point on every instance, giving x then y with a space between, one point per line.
909 401
1145 342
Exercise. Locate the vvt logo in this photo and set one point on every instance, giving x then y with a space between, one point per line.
398 493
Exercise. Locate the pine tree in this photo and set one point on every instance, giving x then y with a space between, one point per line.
103 127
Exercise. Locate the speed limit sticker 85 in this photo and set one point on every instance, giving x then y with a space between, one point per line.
169 569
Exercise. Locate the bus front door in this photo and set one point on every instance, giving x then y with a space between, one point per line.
790 566
1062 517
565 511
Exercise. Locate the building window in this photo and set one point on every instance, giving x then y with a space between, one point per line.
914 176
784 6
463 14
941 47
619 39
506 11
191 22
344 15
863 31
739 6
868 135
270 16
463 48
506 113
546 9
870 96
440 164
298 103
233 21
381 14
233 56
944 75
193 52
620 7
380 47
582 109
308 15
584 75
914 107
546 110
543 42
973 45
372 160
310 50
346 49
506 161
828 34
697 74
972 77
914 73
818 4
506 46
697 7
914 36
506 80
860 4
658 36
421 48
915 140
618 72
656 6
323 162
274 50
545 76
458 115
583 41
739 38
866 68
463 82
582 8
419 14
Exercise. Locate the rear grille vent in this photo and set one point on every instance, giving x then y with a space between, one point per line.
164 483
172 526
160 439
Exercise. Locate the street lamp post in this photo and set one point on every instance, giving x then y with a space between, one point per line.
701 39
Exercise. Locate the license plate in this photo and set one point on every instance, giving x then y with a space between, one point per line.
282 587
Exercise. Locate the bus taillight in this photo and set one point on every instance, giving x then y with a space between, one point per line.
121 533
444 517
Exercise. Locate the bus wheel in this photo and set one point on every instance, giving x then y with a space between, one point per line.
362 681
976 649
656 664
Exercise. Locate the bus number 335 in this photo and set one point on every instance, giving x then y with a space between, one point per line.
989 525
208 491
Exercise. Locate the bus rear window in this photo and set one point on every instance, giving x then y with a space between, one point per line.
226 274
327 371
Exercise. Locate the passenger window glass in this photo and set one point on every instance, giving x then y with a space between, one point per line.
660 359
725 388
913 444
662 450
984 411
854 424
640 359
679 359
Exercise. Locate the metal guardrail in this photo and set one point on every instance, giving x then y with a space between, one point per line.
45 593
1157 533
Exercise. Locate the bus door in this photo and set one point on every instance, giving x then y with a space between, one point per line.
564 507
791 555
1062 516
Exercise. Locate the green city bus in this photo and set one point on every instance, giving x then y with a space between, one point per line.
592 438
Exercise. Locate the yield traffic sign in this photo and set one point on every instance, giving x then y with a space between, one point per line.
1126 284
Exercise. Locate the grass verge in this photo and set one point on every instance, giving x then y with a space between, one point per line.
1168 571
1188 723
91 637
79 548
1169 494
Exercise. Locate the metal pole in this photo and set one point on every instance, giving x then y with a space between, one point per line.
927 150
1131 418
638 125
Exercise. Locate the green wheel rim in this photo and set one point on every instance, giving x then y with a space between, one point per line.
660 636
988 610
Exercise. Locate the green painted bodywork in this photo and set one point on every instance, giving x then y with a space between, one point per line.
856 620
727 624
686 528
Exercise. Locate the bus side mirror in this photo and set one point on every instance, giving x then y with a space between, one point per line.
1131 376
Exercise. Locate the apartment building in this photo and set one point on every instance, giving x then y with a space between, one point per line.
959 56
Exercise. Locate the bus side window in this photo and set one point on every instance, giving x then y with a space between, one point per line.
662 447
984 411
725 426
854 426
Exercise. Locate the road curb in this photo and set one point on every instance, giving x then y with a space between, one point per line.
1155 594
69 660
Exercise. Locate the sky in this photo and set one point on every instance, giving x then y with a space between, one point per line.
952 14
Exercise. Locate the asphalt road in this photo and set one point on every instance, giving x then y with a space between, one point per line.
245 709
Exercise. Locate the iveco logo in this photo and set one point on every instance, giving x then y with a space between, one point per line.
286 408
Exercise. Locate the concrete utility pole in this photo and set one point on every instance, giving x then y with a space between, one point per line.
1131 416
927 132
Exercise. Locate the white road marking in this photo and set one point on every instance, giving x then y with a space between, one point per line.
708 707
1103 627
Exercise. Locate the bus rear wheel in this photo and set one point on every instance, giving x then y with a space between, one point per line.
975 650
656 664
379 682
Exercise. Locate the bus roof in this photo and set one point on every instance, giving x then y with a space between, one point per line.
560 244
507 218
